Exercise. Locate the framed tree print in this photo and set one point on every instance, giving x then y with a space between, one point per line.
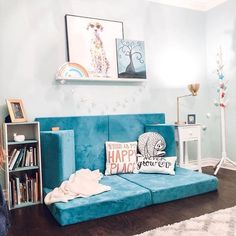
91 43
130 59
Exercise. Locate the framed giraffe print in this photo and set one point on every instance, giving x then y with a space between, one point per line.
91 43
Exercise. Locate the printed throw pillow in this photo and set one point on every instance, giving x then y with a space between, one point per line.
121 157
162 165
151 146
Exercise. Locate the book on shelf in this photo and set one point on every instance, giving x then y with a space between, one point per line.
14 159
21 192
31 161
32 190
35 192
22 164
18 195
13 190
10 194
35 156
11 156
23 157
27 158
36 187
19 158
24 189
27 187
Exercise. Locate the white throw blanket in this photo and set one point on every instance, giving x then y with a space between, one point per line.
83 183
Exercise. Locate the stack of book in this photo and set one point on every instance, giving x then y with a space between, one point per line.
22 157
24 189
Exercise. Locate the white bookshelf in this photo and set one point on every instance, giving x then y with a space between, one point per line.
31 131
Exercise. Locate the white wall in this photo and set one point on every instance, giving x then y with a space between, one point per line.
33 46
221 31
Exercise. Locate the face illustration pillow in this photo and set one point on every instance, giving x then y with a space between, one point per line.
151 144
152 158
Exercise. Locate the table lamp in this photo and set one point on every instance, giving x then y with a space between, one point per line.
193 88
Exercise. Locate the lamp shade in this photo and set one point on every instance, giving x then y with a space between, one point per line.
193 88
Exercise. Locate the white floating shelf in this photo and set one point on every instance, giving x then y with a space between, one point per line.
63 80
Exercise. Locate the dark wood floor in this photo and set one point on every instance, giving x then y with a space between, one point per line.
37 221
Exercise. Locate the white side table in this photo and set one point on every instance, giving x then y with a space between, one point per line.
184 134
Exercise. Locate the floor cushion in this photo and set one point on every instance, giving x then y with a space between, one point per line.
184 183
124 196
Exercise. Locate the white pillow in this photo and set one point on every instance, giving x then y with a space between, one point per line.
151 144
162 165
121 157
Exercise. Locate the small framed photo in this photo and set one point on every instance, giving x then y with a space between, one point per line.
16 110
191 119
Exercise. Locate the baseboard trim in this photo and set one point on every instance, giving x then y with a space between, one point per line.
213 162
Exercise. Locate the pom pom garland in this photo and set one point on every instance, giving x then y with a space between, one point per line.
222 88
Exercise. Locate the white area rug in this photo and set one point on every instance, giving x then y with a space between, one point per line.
222 223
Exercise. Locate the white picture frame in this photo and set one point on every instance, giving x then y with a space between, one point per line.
91 38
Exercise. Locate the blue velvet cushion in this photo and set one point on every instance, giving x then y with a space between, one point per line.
62 153
124 196
58 156
168 133
184 183
127 128
91 133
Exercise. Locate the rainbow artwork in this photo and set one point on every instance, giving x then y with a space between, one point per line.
71 70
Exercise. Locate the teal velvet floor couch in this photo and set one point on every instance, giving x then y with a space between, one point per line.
80 143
